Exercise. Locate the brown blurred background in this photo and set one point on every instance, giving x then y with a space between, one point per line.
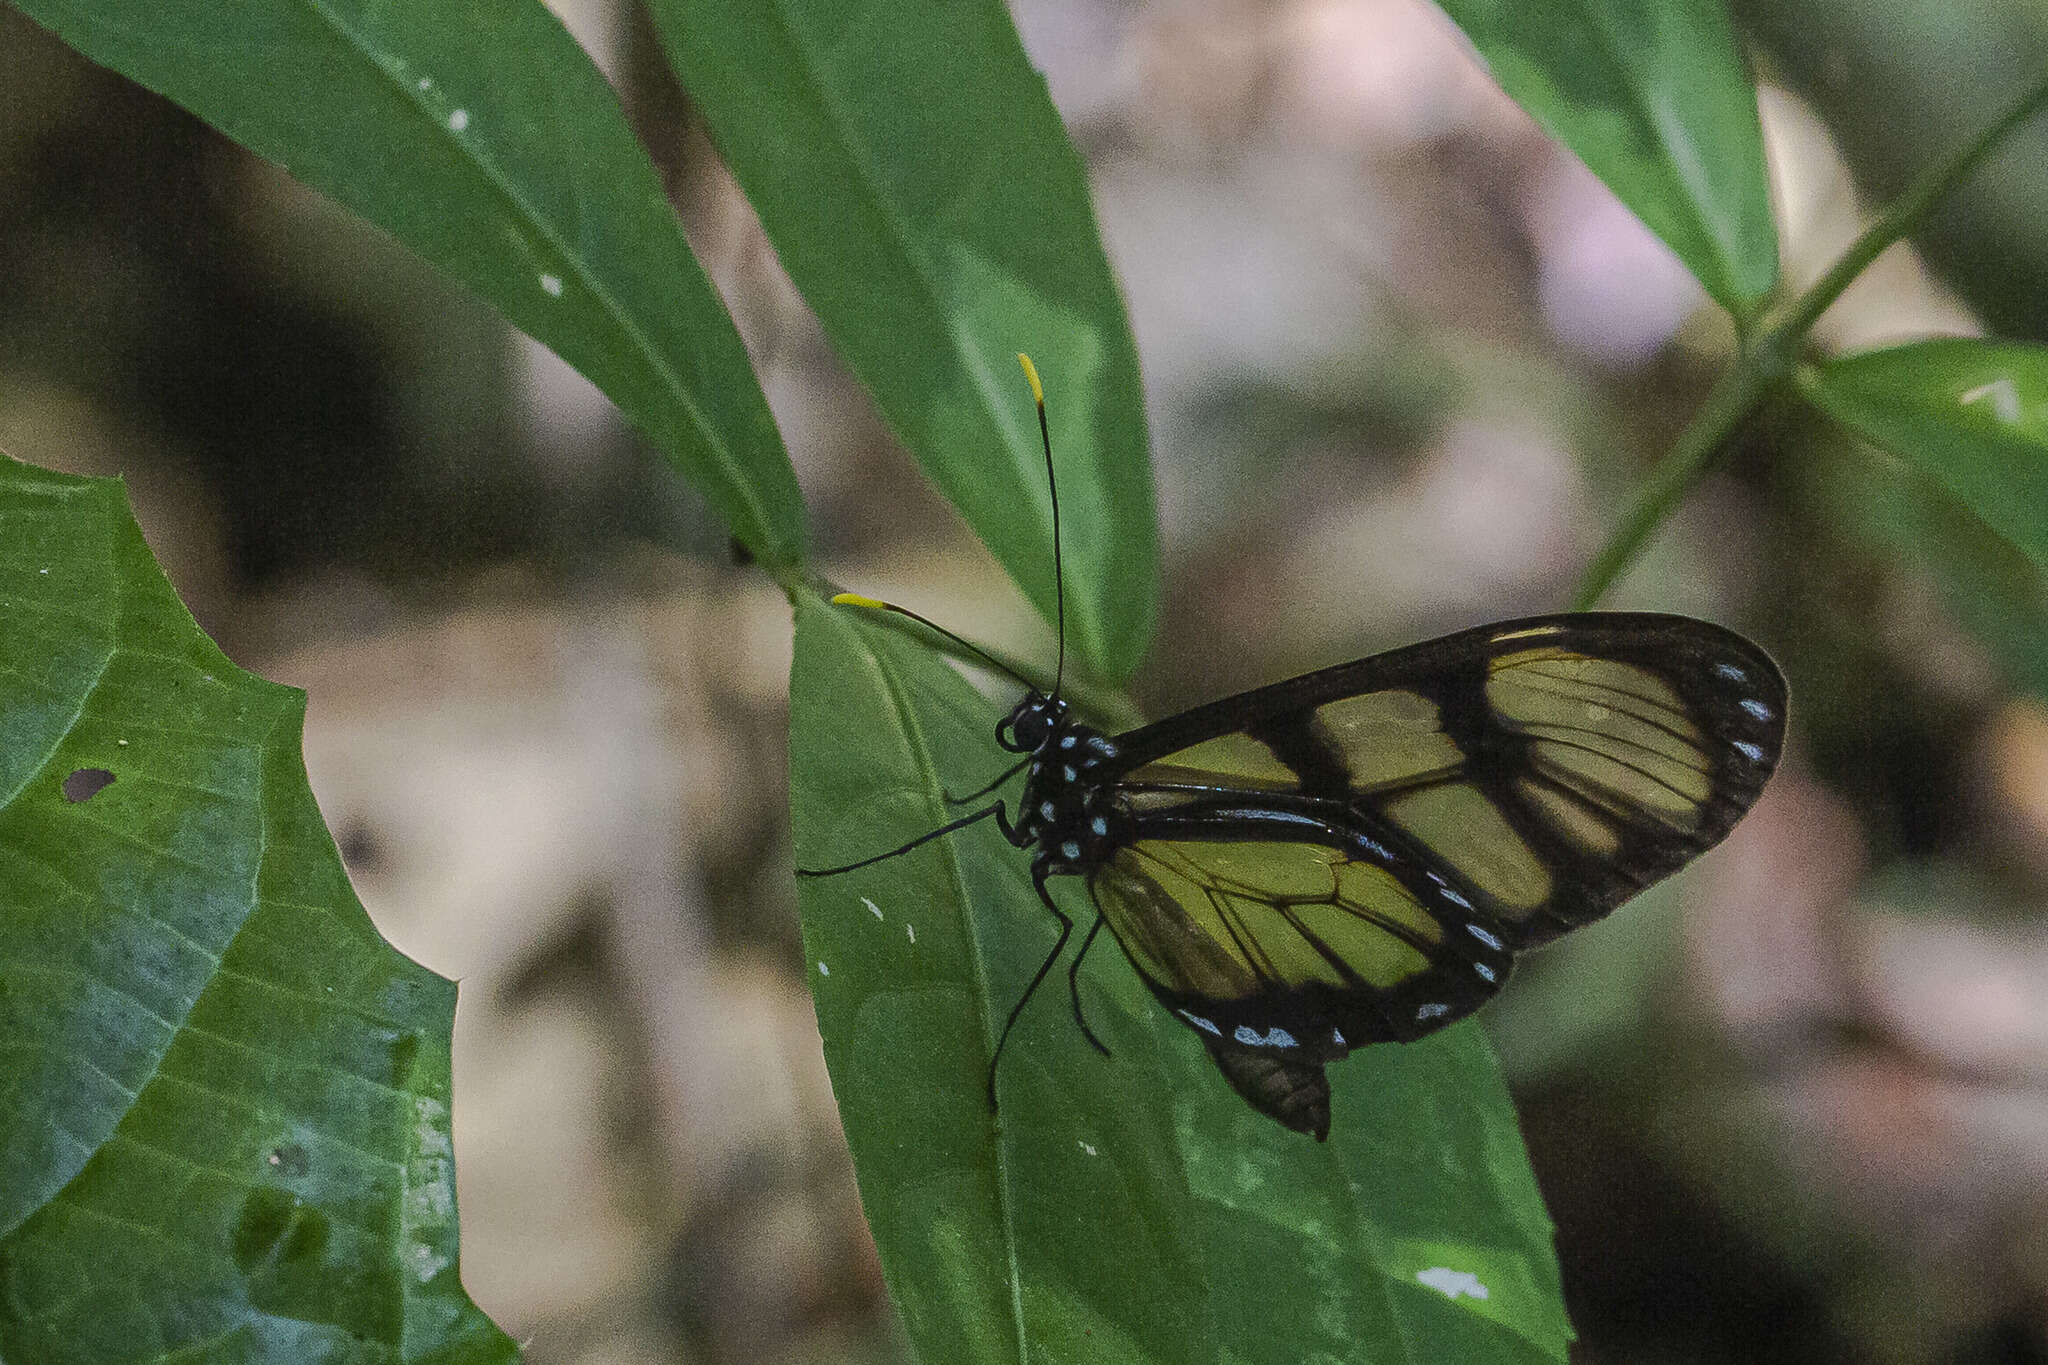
1405 361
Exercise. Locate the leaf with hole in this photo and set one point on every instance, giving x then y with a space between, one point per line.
223 1098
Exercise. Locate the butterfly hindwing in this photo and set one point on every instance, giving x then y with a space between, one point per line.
1355 855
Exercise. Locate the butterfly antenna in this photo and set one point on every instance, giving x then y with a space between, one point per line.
854 599
1059 578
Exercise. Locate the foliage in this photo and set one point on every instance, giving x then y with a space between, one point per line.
224 1115
211 1044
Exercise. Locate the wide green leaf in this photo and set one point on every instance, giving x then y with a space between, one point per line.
1995 590
1125 1209
1655 99
223 1098
480 136
908 165
1971 414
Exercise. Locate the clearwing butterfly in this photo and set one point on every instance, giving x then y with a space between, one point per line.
1356 855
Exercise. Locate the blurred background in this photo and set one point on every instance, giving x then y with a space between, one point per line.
1405 361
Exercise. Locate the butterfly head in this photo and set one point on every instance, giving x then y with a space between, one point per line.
1033 722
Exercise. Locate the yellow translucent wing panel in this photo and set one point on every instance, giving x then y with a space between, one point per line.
1616 737
1384 738
1458 824
1582 828
1388 737
1229 920
1235 760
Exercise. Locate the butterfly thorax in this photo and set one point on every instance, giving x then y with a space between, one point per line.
1068 808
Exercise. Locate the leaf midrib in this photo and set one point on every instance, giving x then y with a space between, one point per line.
914 732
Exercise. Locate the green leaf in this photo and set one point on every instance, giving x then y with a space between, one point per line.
1971 414
908 165
1995 590
1127 1208
480 136
223 1098
1654 98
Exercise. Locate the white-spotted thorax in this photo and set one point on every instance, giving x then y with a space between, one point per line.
1066 809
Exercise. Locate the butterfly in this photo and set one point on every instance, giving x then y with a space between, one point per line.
1358 855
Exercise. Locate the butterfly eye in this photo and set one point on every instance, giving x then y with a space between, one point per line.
1031 724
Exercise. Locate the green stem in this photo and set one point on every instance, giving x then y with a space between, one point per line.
1767 358
1905 214
1739 388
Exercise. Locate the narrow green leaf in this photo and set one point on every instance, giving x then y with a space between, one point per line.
1971 414
1127 1208
909 167
482 137
223 1098
1654 98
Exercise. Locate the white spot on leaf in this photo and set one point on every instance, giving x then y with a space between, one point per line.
551 285
1453 1283
873 909
458 120
1086 1148
2005 399
426 1262
823 970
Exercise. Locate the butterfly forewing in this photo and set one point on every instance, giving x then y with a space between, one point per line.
1356 854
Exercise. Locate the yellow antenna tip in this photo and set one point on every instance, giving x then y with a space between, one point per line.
1031 373
854 599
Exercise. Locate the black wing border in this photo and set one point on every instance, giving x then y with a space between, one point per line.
1655 638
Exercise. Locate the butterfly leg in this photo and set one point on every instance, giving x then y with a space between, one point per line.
1038 875
1074 985
1006 775
995 809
